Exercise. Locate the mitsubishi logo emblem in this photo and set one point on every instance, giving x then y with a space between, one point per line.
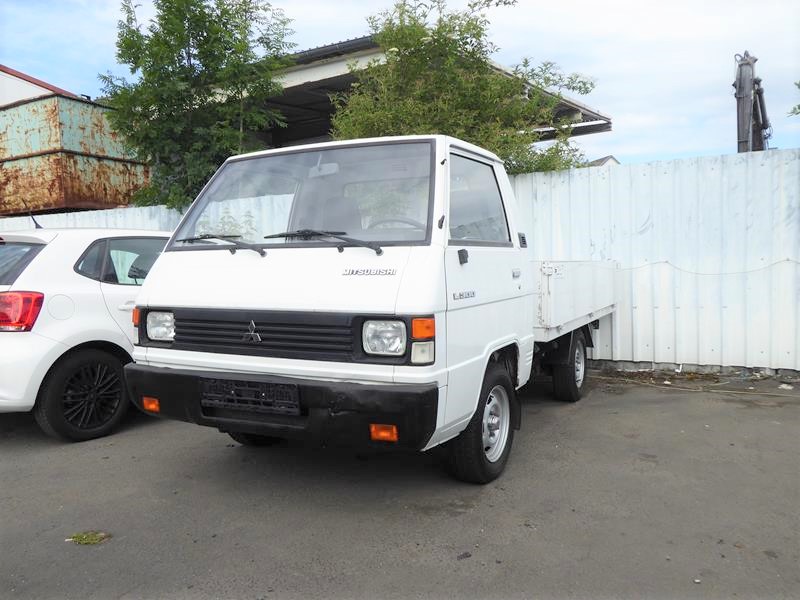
252 335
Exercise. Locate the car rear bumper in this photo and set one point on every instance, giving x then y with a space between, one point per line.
338 413
25 358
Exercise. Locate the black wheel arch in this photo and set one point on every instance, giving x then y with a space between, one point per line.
559 351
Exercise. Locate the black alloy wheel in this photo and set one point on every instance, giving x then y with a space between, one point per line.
92 396
83 396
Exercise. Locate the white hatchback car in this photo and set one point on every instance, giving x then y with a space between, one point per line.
66 298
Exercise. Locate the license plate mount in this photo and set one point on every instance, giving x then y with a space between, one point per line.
250 396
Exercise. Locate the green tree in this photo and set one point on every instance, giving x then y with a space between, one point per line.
438 77
795 110
203 70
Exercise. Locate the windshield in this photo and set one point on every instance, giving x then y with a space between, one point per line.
14 257
377 193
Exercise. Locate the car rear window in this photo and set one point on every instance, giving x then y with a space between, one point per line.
14 257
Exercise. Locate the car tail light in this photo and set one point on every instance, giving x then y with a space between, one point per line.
19 310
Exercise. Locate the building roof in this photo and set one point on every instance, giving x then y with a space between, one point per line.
605 160
319 72
366 42
30 79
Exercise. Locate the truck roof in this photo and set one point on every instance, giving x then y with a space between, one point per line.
439 139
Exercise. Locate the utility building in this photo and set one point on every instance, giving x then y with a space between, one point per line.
319 72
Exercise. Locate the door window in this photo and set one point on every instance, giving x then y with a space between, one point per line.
91 263
129 259
476 207
123 261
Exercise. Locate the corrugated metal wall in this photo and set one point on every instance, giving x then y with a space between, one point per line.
708 248
142 217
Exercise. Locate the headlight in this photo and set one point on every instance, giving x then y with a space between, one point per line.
386 338
161 326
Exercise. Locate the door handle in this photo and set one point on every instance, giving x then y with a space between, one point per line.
515 273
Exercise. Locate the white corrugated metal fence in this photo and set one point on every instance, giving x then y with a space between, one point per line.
140 217
708 249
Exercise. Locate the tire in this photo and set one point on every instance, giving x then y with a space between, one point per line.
569 379
83 397
472 456
251 439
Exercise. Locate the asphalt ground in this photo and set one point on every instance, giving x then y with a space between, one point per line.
634 492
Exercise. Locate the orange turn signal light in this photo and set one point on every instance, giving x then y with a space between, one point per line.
422 329
383 433
151 404
135 316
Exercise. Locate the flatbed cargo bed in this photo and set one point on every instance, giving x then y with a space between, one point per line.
570 294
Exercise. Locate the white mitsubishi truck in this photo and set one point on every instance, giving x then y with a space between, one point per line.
376 292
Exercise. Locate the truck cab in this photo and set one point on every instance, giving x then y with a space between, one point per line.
375 292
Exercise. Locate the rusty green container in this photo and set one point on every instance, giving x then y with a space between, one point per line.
59 153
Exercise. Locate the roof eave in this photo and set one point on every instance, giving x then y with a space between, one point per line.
30 79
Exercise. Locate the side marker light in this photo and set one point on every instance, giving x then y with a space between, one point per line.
383 433
151 404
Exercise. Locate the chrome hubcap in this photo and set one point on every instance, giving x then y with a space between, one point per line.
496 422
580 365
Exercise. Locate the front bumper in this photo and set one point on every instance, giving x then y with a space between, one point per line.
336 413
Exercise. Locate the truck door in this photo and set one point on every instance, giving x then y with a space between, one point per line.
484 271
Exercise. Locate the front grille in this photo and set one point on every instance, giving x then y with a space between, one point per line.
313 336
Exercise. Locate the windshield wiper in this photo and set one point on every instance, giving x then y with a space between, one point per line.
339 235
237 244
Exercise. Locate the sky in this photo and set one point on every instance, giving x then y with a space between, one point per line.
663 69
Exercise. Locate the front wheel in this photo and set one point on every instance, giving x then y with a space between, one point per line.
83 396
568 379
480 453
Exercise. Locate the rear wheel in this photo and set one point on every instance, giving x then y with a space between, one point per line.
251 439
568 379
83 396
479 454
